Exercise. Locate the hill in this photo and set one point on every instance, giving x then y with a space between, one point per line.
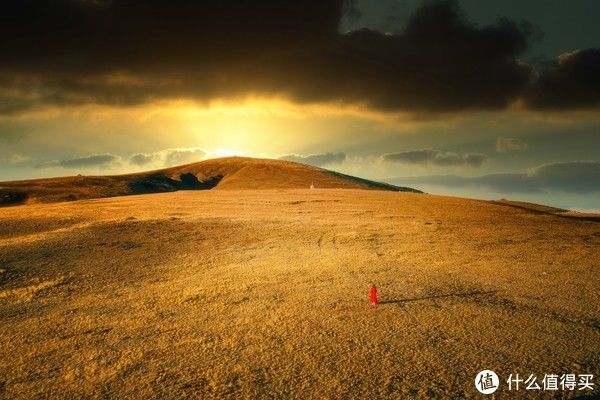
220 173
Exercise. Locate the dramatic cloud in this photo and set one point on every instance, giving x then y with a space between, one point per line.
95 160
317 159
168 157
127 52
574 177
183 156
435 157
571 82
507 144
142 159
163 158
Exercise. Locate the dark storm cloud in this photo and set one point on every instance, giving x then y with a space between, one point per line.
317 159
574 177
570 82
127 52
95 160
435 157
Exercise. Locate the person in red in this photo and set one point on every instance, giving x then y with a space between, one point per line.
373 295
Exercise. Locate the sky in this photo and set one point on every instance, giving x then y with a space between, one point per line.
472 98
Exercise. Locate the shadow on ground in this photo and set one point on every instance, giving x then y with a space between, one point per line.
440 296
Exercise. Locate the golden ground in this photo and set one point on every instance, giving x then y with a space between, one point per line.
264 294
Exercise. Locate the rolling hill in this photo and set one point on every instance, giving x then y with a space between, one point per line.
220 173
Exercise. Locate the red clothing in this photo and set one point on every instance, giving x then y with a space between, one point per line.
373 295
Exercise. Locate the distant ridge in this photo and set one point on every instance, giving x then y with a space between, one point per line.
220 174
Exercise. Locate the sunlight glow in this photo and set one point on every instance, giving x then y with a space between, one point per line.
226 153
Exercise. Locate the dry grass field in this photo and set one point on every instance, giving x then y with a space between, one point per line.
264 294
